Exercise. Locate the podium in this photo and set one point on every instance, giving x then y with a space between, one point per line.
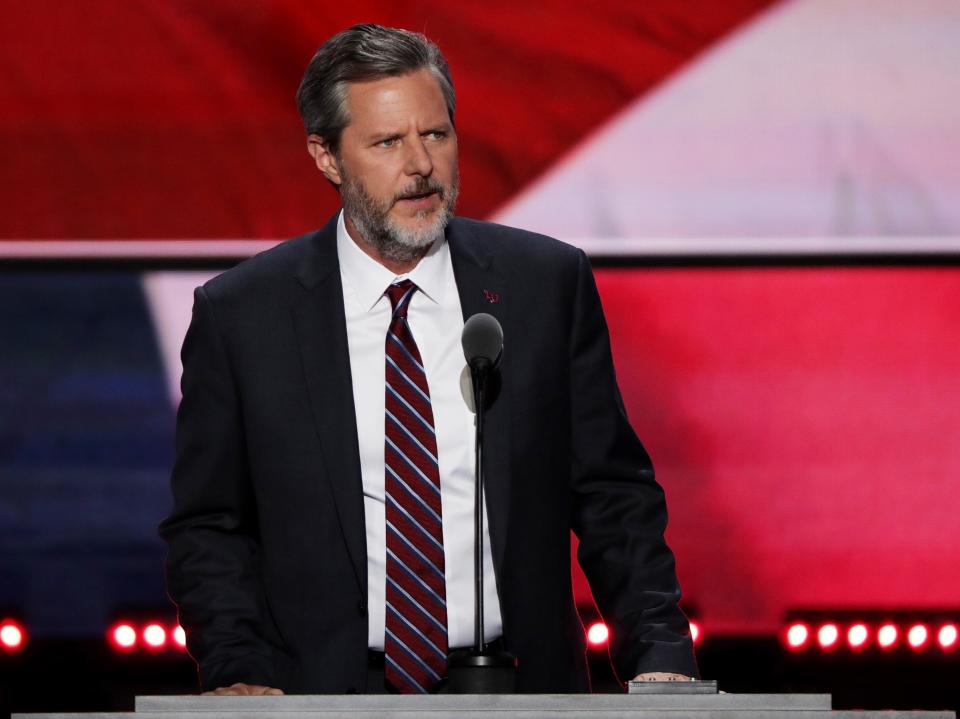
500 706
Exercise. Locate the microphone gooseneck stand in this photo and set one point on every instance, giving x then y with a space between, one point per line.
480 670
479 377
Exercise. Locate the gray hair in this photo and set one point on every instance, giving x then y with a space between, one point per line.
363 52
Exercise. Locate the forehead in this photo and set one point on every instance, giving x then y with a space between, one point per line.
390 102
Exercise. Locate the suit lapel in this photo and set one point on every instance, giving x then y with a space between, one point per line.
321 331
482 288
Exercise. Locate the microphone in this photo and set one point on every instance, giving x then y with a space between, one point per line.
483 670
482 341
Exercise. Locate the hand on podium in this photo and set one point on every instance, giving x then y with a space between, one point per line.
662 677
245 690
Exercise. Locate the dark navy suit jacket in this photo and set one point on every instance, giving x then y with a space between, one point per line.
267 560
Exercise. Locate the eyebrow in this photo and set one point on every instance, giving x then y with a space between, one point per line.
379 135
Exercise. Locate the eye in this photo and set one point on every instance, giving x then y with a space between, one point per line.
388 142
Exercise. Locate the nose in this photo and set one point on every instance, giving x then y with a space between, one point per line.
418 158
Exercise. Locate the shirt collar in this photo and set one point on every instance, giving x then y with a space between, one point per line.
369 279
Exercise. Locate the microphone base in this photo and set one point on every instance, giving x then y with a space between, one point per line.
490 673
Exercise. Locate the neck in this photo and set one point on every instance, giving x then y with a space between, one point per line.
396 266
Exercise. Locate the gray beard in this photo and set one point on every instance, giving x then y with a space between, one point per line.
393 242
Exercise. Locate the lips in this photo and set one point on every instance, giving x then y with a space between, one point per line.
420 196
422 200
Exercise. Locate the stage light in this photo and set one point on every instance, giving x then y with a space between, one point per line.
155 636
797 636
827 636
947 636
887 636
917 636
857 635
598 634
858 631
12 635
694 632
179 636
123 636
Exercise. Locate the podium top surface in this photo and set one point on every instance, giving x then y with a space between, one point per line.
484 702
506 706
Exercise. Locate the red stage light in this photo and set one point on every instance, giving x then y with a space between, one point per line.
12 635
887 636
827 636
598 634
694 632
947 636
155 636
123 636
857 635
797 636
918 636
179 636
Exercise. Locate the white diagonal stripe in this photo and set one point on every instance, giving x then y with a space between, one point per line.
410 462
428 535
414 412
413 655
417 604
415 576
402 346
412 436
416 685
420 554
413 384
393 473
416 629
405 296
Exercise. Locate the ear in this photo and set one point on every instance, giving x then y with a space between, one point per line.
325 160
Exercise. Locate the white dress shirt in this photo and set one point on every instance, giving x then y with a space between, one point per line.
436 321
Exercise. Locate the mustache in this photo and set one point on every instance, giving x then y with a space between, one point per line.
421 186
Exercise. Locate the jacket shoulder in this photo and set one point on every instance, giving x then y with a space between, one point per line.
504 239
258 278
530 256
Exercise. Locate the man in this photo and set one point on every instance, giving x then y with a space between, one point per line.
321 538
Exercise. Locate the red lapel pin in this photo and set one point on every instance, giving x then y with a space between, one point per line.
492 297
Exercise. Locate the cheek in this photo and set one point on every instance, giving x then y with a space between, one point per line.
381 180
445 162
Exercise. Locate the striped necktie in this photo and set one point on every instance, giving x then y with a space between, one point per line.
415 643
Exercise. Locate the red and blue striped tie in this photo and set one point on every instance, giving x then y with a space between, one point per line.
415 643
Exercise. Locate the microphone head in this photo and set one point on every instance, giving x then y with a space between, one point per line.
482 340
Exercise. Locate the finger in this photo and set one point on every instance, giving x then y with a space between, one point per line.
241 689
662 677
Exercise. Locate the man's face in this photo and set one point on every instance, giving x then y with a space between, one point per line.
398 163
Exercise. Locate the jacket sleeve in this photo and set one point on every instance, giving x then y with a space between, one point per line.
619 511
212 534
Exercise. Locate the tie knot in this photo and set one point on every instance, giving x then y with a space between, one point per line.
400 294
